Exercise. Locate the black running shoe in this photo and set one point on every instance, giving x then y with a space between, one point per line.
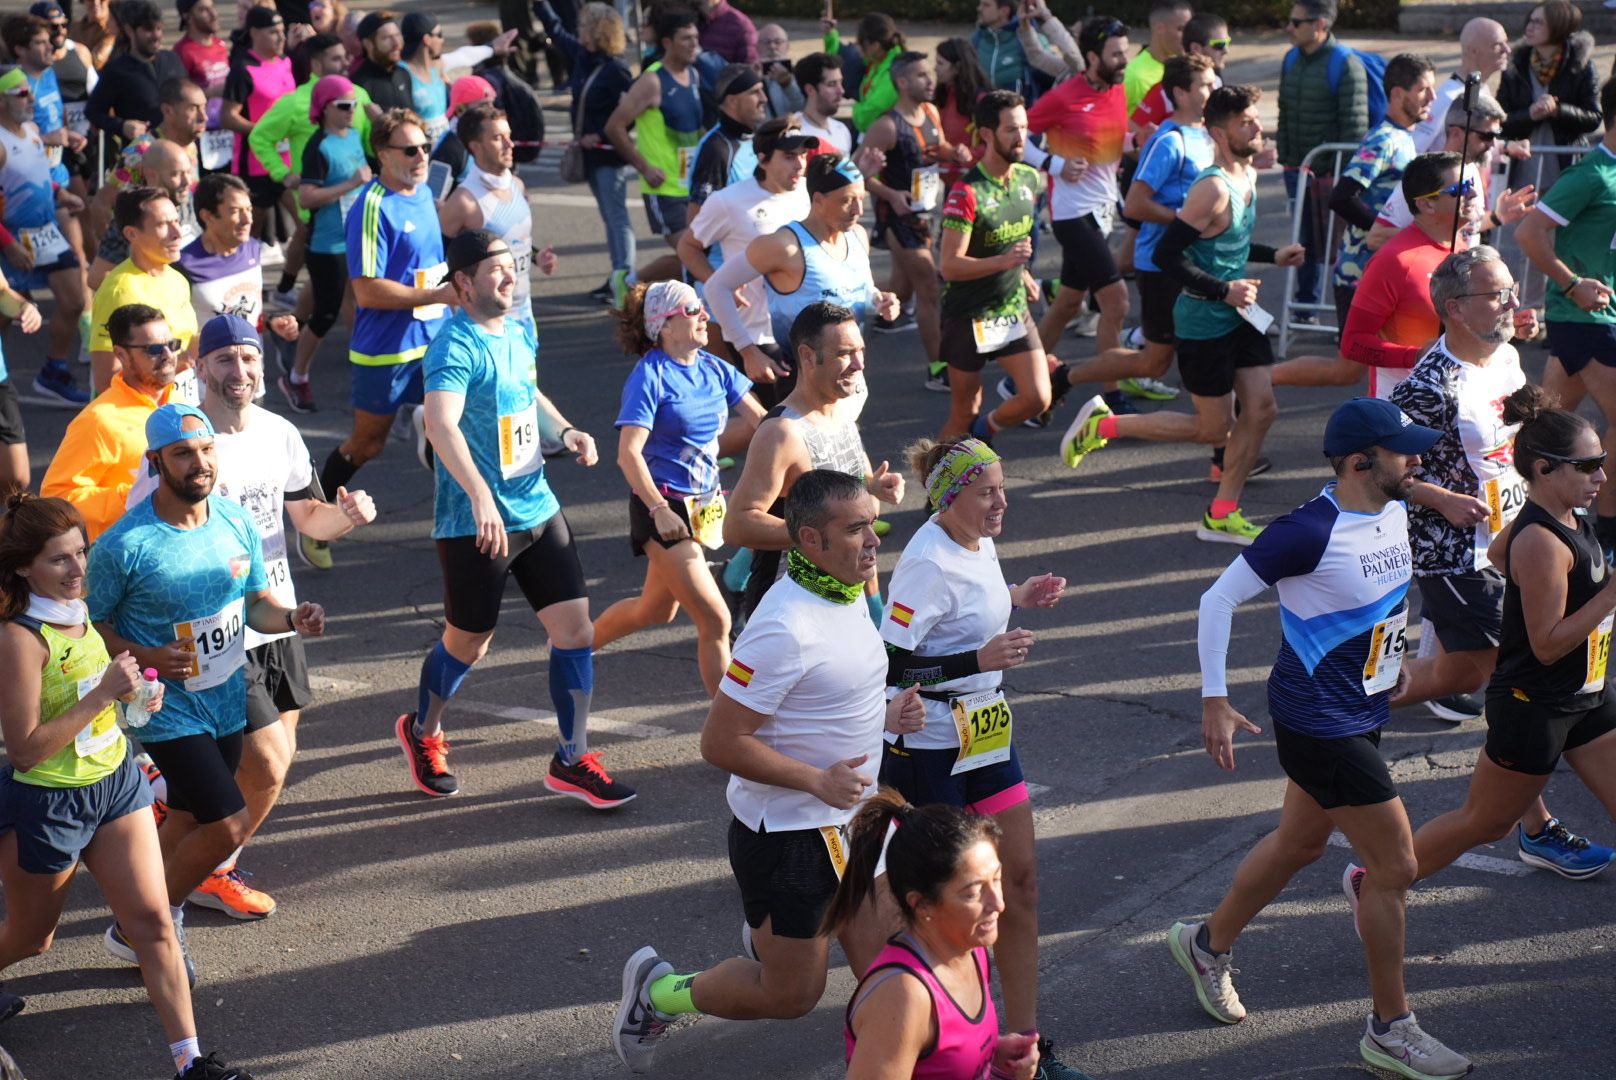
213 1067
586 779
10 1005
428 757
1051 1068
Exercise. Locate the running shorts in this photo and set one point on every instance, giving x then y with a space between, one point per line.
55 825
668 214
1207 368
1576 344
12 432
785 877
642 530
277 681
27 281
543 560
1347 771
1157 294
923 776
385 388
909 231
200 771
1527 738
958 349
1086 259
1466 609
263 191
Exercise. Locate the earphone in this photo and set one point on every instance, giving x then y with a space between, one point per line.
1363 465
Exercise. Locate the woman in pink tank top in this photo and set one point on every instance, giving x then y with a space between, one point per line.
924 1008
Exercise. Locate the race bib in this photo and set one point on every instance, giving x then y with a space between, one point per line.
279 573
983 720
835 839
1105 217
345 202
53 156
1259 318
47 243
101 732
1386 645
925 185
431 277
519 443
219 647
687 158
707 518
1598 656
1504 496
218 146
994 332
436 129
186 391
73 116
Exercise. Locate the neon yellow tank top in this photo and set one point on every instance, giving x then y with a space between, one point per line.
73 670
667 135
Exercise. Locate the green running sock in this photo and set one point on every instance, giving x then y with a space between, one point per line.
670 995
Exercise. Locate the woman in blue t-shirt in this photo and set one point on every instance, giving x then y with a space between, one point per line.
333 171
674 424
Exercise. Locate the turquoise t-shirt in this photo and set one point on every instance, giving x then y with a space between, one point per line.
498 377
156 583
329 160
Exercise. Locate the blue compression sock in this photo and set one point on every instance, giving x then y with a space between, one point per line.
441 676
572 685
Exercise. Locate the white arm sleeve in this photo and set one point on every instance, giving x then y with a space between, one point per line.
719 292
1234 587
1035 155
467 56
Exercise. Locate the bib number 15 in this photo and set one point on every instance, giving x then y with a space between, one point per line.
1387 643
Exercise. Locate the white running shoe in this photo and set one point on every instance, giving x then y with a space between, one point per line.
1351 881
1211 973
1410 1052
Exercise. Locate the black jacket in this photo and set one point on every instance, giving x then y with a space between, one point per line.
1575 85
128 90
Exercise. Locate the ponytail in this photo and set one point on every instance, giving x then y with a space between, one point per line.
1546 431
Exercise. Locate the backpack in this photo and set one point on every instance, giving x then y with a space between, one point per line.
1374 66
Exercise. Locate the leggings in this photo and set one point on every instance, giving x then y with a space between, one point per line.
328 275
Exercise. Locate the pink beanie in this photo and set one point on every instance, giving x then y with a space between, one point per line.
330 88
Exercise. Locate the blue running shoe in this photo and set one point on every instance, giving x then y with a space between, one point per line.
54 387
1563 851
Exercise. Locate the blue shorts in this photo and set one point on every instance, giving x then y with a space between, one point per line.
1576 343
26 281
668 214
383 388
55 825
922 776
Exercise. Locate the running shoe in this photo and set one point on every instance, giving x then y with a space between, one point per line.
618 283
1007 390
1052 1068
283 301
1410 1052
10 1005
428 757
271 255
1083 434
1148 389
54 387
159 786
1352 877
1456 708
213 1067
937 378
1258 467
1134 338
1212 974
1563 851
401 423
423 446
639 1026
586 779
901 325
748 950
726 462
602 294
119 946
299 396
1234 529
1120 403
316 554
229 892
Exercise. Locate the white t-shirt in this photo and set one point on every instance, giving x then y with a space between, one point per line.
818 671
732 218
835 134
944 599
1431 134
1095 192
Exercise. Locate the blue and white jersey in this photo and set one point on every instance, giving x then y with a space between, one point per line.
844 281
49 115
1342 579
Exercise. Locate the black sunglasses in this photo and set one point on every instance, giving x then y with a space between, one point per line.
158 349
412 150
1585 465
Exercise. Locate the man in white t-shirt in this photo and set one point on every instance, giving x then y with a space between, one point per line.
263 466
820 77
797 724
734 216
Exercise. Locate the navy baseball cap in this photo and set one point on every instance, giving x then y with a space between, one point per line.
1363 422
47 10
223 331
166 427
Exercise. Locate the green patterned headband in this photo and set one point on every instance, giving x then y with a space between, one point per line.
964 460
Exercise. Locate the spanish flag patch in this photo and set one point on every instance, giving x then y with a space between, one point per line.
902 615
740 673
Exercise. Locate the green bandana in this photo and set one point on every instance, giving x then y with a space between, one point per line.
816 581
963 462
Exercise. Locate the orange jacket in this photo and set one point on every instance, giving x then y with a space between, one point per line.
94 468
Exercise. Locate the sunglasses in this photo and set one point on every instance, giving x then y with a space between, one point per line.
1585 465
1464 188
158 349
410 150
1114 28
347 106
1303 22
1219 44
20 92
1485 136
1512 294
691 309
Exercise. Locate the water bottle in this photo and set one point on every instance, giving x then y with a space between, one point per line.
134 712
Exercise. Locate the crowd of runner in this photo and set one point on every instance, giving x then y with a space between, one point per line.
876 790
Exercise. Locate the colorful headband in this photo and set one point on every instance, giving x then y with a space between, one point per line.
841 176
663 301
958 467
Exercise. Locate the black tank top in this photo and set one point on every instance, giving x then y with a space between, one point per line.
1576 681
71 76
917 147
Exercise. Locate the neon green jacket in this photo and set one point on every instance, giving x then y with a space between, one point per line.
288 119
877 93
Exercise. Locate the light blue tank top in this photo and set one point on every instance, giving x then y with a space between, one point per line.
431 100
824 277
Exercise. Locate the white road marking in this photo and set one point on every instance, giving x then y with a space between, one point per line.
597 721
1485 863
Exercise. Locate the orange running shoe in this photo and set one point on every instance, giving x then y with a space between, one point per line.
154 777
229 892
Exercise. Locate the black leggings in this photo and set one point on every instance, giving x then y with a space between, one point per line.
328 276
201 774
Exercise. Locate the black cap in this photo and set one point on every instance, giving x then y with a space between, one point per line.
779 134
262 18
371 23
472 247
45 9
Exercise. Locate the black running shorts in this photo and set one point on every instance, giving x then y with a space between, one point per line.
1466 609
543 560
958 348
785 877
1086 259
1207 368
1348 771
1526 738
1157 294
277 681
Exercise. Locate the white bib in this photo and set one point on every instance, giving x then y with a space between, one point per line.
46 242
519 442
1385 661
220 645
218 146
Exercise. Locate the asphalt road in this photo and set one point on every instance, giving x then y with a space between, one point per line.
483 936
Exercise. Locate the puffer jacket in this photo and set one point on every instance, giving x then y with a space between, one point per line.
1575 85
1311 113
1001 55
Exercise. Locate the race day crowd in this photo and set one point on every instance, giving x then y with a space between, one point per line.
187 219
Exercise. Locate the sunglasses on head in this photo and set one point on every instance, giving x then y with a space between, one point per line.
409 150
1585 465
1114 28
158 349
1464 188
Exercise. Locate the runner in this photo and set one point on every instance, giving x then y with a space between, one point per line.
673 427
725 155
797 725
1223 354
819 76
946 630
1548 696
259 75
943 870
125 101
396 270
150 221
72 792
815 427
223 263
75 73
496 518
207 62
1341 565
175 583
30 45
15 470
167 166
380 74
1465 495
823 257
427 67
907 190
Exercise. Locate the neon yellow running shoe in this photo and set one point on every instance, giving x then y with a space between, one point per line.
1083 436
1234 529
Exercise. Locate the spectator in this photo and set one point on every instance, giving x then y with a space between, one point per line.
1312 111
774 55
207 61
1483 47
93 30
127 99
819 75
997 45
148 219
1167 21
725 155
961 81
260 75
727 32
381 74
879 43
1051 48
326 16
